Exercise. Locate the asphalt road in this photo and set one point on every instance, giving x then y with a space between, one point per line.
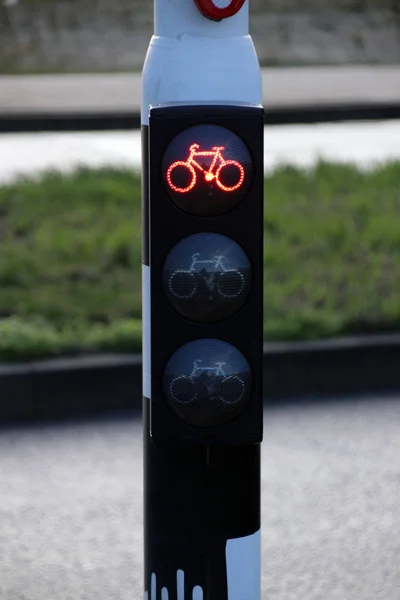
283 87
71 506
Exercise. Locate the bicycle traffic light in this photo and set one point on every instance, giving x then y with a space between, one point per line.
205 232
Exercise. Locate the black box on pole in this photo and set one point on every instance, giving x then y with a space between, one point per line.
206 261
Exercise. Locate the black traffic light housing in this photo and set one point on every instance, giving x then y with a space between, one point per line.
206 264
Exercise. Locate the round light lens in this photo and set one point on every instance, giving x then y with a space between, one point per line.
207 277
207 170
207 383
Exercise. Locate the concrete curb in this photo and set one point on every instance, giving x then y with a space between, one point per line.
123 120
293 372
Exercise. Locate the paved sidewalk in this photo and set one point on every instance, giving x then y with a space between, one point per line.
72 506
288 87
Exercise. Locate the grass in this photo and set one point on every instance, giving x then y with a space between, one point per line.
70 268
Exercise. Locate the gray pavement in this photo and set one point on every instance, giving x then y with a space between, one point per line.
283 87
71 506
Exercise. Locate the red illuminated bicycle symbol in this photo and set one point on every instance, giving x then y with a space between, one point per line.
211 174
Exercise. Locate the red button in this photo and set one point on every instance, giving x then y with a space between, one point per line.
210 9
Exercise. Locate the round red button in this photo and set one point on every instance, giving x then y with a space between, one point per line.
211 10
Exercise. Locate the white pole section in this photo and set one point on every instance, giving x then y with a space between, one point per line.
193 59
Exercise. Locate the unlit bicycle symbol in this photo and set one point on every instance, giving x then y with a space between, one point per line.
220 280
217 384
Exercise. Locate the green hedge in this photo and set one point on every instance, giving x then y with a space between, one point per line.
70 258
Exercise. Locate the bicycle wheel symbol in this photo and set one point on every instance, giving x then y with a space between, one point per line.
230 166
231 283
183 389
232 390
183 284
191 176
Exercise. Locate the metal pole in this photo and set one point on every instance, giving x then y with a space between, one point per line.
201 504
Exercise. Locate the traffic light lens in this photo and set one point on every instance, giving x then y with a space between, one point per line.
207 170
207 383
207 277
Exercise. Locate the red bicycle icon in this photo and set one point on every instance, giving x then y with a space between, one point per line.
210 174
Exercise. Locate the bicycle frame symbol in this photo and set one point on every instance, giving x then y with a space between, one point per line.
217 371
193 274
211 174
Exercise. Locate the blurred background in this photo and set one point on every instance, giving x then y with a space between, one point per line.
70 295
39 36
